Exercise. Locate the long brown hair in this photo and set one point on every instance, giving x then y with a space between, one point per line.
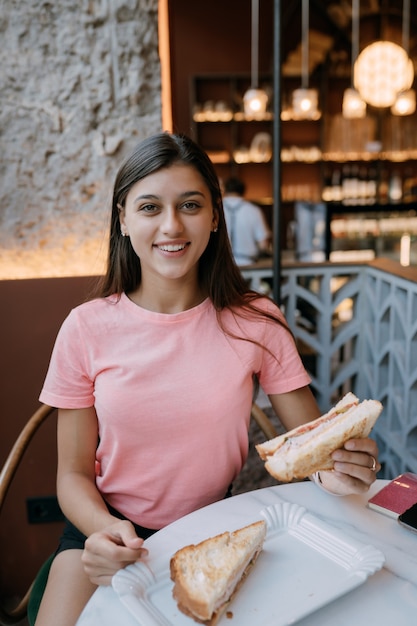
219 275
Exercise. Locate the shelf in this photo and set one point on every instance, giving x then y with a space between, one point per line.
354 227
216 117
297 154
339 208
397 156
312 154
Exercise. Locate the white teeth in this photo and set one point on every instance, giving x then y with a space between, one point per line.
172 248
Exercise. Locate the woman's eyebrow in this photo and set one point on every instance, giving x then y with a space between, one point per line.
146 196
185 194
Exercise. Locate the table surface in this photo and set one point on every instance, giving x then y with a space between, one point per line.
388 597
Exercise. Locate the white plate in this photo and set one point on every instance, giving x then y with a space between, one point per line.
305 564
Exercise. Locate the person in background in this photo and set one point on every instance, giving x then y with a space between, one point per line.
249 234
153 378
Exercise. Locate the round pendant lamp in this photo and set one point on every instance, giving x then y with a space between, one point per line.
382 70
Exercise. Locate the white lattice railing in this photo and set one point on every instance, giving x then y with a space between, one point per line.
356 328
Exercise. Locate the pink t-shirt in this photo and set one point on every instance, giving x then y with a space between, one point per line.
173 395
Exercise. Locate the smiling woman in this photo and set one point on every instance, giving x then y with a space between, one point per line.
159 368
169 217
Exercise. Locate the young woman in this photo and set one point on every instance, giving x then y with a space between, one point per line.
154 378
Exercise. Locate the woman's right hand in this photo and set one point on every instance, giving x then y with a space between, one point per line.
111 549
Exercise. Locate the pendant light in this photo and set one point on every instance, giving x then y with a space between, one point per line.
305 100
405 104
255 100
383 70
353 106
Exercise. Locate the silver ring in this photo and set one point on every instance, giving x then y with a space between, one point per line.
373 468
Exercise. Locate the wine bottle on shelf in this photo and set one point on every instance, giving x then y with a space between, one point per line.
354 184
410 186
383 188
372 186
395 190
362 186
346 184
327 191
337 191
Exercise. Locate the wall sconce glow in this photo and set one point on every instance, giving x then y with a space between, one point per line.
381 71
405 250
405 103
255 102
305 104
353 106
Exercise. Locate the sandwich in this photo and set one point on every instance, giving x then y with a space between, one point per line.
207 575
308 448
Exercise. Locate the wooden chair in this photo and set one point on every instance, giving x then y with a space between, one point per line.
263 422
18 613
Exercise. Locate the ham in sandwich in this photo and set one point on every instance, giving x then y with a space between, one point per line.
207 575
307 449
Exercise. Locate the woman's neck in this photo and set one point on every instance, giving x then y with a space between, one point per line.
165 299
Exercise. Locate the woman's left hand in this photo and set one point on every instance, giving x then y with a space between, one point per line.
355 467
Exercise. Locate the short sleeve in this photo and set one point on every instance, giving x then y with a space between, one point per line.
282 369
68 383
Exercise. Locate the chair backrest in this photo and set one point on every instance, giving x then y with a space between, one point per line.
16 614
263 422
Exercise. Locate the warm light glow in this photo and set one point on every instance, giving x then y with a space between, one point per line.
405 103
353 105
305 100
305 103
164 55
405 250
66 258
255 102
381 71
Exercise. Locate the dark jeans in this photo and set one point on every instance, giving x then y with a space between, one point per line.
72 538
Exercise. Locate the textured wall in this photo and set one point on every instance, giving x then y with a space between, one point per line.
80 85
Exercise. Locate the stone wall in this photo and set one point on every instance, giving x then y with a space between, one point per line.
80 85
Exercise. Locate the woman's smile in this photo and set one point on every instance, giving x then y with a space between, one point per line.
173 249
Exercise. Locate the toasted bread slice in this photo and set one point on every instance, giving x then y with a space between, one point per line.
208 574
268 448
308 448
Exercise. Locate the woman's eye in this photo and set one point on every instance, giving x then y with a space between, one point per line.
190 206
148 208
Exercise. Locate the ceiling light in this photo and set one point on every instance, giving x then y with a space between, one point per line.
353 106
382 70
305 103
405 104
305 100
255 100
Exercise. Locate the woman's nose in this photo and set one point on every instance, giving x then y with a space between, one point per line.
171 223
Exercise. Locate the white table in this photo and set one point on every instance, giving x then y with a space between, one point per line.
388 597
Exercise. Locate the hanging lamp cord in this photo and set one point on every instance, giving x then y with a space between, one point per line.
304 44
255 43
